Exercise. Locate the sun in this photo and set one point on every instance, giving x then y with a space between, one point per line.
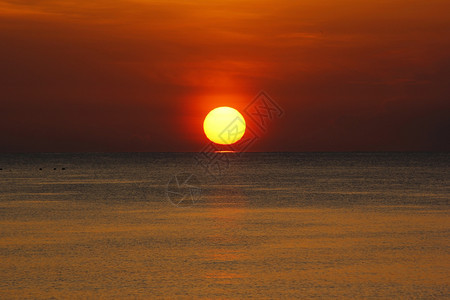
224 125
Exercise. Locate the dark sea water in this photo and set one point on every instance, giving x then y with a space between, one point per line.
262 225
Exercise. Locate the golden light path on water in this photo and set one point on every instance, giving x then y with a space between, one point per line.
225 151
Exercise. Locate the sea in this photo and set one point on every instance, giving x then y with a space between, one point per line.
224 225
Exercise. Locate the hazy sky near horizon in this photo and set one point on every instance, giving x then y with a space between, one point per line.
140 75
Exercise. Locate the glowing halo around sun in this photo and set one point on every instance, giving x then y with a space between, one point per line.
224 125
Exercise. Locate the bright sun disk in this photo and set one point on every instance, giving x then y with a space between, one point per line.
224 125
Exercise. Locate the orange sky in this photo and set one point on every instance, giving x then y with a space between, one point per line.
140 75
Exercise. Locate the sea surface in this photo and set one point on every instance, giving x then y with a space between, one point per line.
223 225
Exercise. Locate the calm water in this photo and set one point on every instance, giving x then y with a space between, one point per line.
355 225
